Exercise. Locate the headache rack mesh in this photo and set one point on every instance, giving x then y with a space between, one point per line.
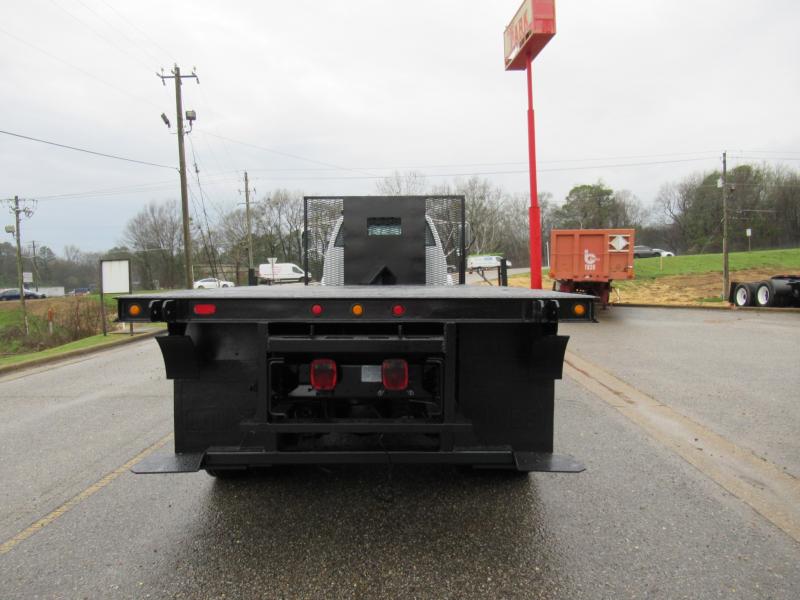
446 213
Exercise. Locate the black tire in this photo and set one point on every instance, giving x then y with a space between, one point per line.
764 295
743 294
227 473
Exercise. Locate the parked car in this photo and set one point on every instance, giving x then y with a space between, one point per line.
645 252
212 282
13 294
80 292
663 252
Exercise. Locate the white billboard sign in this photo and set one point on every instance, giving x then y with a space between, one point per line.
115 276
27 277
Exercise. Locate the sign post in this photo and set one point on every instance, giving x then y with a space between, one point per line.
115 278
272 260
533 25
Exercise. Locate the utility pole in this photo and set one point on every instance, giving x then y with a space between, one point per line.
27 212
35 270
725 273
187 238
250 268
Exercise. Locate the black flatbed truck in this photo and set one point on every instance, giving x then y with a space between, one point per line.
448 374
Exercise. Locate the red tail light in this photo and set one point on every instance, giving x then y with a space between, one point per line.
398 310
394 373
323 374
204 309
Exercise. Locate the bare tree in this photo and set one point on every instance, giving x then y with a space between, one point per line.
155 235
409 183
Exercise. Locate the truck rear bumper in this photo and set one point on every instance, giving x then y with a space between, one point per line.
231 458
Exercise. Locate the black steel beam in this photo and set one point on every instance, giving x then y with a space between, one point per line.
355 344
350 427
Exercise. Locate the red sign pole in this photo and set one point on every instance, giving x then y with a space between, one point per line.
534 215
533 25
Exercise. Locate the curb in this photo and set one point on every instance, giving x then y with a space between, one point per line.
725 306
38 362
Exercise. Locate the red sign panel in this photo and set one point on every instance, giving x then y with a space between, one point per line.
529 31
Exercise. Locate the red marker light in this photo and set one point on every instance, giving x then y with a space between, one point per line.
323 374
398 310
204 309
316 309
394 373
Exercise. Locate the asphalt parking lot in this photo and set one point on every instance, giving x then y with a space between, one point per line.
641 521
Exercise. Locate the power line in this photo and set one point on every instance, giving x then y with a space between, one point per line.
77 68
507 172
766 158
147 51
108 41
128 21
103 154
280 153
210 250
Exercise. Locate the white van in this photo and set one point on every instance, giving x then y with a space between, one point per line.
280 273
484 261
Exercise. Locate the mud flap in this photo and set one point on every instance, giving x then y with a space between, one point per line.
188 462
546 462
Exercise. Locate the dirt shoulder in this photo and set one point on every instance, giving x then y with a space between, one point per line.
702 289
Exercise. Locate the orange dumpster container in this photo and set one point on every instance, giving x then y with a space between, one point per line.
588 260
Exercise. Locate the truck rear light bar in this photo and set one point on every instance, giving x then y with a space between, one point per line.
287 308
323 374
394 374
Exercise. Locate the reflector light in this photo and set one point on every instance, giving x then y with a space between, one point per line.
579 310
323 374
357 310
134 310
316 309
204 309
394 374
398 310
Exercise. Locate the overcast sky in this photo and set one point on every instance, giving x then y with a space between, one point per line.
328 96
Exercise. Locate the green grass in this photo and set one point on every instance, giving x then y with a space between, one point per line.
89 342
780 260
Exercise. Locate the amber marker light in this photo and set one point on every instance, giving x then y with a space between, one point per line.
357 310
579 310
134 310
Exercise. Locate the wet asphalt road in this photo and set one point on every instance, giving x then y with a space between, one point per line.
737 372
638 523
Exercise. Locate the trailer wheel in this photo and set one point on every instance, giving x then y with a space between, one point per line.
764 294
743 294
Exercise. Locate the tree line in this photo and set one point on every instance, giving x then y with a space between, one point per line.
686 217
